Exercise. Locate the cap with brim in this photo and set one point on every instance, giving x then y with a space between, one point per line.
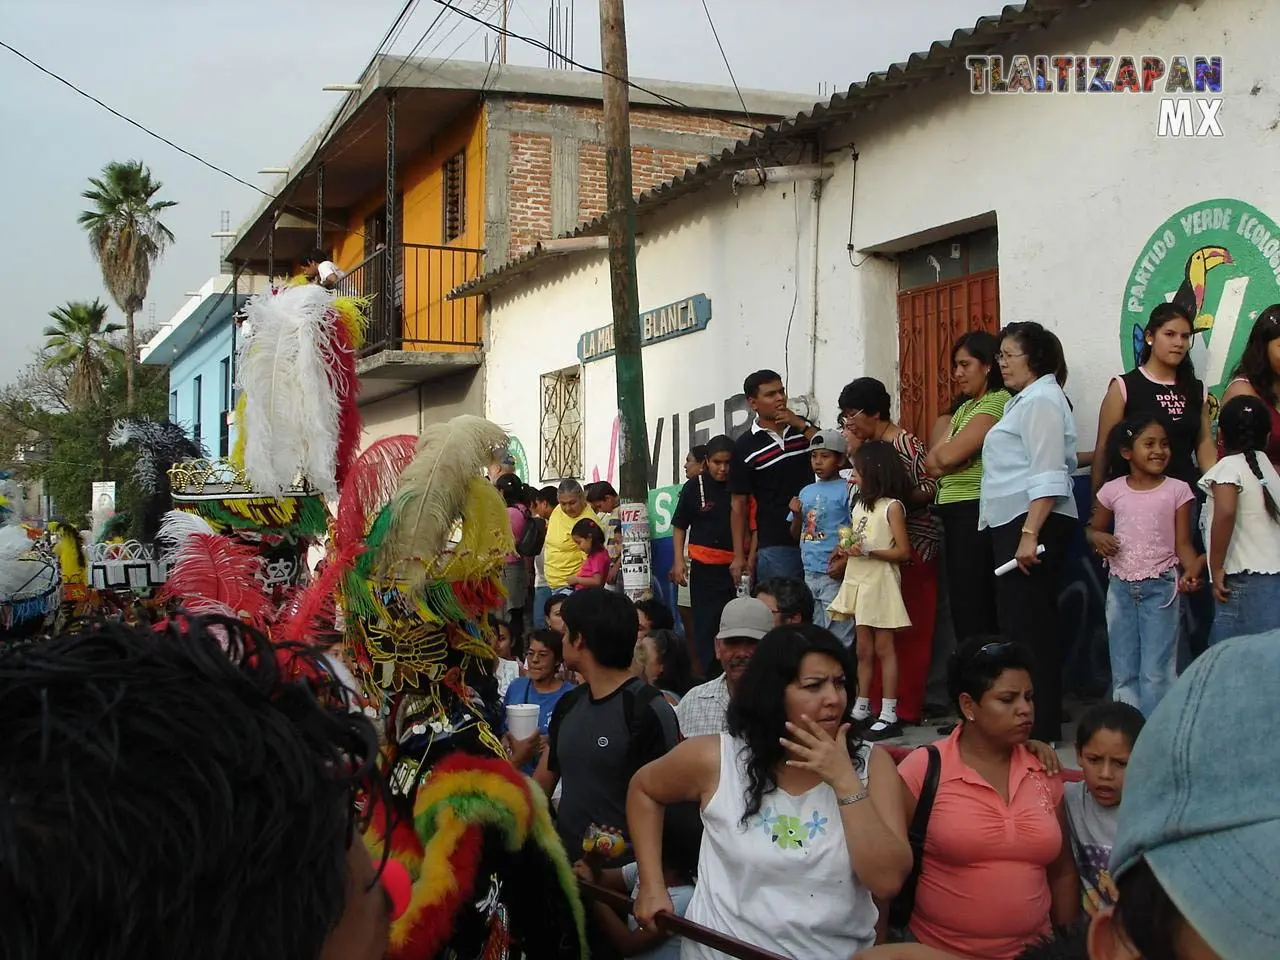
1202 808
745 618
832 440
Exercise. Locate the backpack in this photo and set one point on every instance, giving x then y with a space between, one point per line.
637 696
533 536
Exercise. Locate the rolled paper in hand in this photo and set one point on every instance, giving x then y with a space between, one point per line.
1013 564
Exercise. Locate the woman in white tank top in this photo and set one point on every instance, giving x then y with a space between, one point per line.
798 836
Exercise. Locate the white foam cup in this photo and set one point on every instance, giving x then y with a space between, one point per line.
522 720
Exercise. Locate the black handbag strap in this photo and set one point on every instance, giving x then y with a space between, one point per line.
904 903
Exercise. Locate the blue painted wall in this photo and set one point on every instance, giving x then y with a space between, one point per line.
205 359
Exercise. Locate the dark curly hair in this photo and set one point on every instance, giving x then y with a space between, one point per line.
147 771
677 671
1245 427
758 713
1255 364
978 662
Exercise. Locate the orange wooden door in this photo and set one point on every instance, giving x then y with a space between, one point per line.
930 319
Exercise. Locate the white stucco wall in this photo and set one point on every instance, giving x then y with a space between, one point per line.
1076 184
745 254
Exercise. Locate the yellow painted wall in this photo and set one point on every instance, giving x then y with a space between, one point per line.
429 274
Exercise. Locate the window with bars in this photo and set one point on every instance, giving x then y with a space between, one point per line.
561 430
455 196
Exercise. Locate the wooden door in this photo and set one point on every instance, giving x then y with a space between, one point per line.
930 320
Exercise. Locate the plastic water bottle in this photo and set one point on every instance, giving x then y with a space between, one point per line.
744 585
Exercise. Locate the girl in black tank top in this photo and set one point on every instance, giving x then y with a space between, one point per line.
1164 384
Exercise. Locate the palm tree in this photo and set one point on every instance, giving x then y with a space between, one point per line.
78 343
127 238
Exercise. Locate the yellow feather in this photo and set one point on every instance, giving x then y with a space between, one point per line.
242 436
486 539
432 495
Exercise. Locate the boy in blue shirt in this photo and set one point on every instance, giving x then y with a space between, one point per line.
817 515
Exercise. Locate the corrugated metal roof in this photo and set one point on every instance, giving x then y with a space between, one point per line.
942 56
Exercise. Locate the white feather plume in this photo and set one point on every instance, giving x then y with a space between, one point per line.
291 410
177 526
23 574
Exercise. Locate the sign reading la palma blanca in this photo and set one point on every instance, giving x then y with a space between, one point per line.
665 323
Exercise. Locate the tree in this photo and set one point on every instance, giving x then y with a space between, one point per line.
127 238
78 343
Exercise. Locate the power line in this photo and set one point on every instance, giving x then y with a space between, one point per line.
129 120
725 57
670 101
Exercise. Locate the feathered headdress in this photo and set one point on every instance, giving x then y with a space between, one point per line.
160 444
211 573
296 368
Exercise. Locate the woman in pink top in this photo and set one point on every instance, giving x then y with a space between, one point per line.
515 574
997 874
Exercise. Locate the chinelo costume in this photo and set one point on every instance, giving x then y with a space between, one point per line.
411 571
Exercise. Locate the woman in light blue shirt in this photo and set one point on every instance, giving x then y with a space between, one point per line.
1027 502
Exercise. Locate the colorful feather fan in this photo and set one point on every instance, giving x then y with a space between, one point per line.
209 573
473 817
433 491
291 411
298 375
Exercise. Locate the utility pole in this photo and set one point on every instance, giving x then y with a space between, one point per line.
502 37
633 485
622 254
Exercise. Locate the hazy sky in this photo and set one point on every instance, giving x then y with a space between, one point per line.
238 83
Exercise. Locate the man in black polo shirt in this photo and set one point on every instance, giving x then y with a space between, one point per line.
771 464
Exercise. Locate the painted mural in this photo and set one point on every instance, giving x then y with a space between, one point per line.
1221 260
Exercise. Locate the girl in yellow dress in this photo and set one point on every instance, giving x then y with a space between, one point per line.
875 544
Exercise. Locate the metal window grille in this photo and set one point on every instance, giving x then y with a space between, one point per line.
561 447
197 390
455 196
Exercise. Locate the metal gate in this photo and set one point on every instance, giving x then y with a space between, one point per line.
930 320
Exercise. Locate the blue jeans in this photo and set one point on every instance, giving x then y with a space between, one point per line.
1142 631
1252 608
540 597
775 562
824 590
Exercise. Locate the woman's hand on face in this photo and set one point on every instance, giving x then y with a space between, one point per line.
1026 553
812 748
651 901
1047 756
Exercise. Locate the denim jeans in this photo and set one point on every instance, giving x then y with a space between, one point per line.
1142 632
1252 608
824 590
775 562
540 597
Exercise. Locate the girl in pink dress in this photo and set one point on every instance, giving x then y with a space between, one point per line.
594 571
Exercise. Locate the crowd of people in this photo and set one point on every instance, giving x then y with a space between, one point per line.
728 761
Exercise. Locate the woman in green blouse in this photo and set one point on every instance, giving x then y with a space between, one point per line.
957 460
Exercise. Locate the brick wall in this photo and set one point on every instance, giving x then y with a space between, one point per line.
530 169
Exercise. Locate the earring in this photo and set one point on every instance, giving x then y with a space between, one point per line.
969 717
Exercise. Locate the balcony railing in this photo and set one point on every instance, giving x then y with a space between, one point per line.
413 313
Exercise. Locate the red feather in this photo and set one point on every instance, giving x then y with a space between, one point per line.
214 574
346 384
314 608
370 484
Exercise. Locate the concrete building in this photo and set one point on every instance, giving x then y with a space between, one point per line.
436 171
937 210
198 346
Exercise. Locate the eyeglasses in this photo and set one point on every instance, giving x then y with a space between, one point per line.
540 655
1003 357
845 420
992 650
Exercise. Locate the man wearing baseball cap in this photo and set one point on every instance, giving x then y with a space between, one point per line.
704 708
1197 854
817 514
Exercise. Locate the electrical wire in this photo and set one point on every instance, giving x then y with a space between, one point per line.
725 57
511 34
